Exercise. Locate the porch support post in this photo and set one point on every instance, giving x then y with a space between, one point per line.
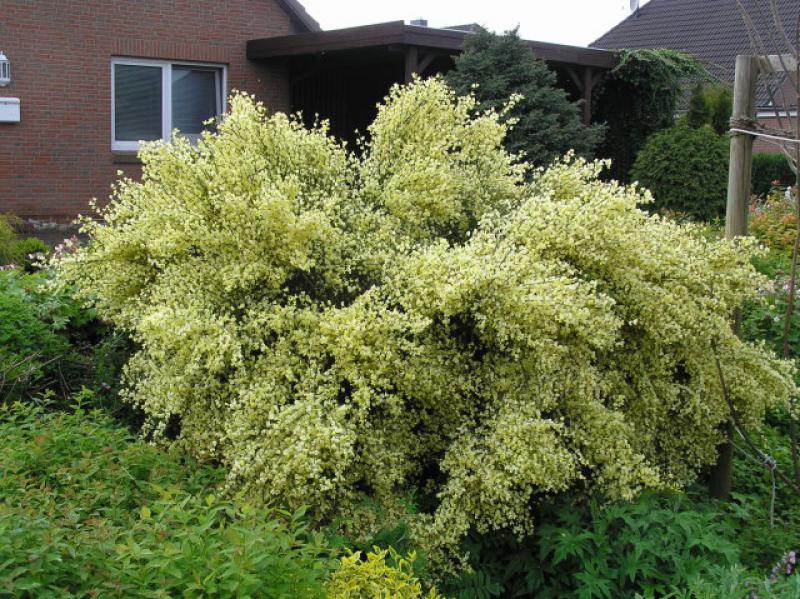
587 88
412 62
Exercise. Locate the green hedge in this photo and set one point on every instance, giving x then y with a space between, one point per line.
686 169
768 168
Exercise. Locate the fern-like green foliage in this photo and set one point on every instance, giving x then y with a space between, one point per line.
546 124
650 548
419 319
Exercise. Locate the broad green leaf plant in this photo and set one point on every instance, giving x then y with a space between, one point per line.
416 318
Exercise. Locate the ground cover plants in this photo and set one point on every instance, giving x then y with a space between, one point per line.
421 320
88 511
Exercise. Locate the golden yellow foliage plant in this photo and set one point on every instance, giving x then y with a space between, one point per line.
417 318
373 578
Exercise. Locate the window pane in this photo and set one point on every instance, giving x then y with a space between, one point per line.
137 102
194 98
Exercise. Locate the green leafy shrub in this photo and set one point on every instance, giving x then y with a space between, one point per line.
736 583
30 348
769 169
546 124
48 339
700 110
31 252
17 251
764 319
764 532
374 578
686 170
418 320
369 525
86 510
647 548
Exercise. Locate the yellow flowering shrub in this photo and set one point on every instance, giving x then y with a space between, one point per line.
373 578
337 326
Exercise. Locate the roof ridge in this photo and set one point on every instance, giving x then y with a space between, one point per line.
300 14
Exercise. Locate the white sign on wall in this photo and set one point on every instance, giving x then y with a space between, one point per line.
9 110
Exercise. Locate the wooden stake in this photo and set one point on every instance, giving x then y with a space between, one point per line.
739 174
744 108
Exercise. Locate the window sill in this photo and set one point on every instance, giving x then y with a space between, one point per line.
125 157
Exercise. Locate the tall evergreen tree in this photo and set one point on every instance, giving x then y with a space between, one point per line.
710 105
494 67
722 101
700 109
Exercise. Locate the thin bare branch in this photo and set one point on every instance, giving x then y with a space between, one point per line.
741 431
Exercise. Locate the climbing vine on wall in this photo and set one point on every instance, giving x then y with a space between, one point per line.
639 97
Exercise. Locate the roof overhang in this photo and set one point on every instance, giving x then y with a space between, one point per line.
397 33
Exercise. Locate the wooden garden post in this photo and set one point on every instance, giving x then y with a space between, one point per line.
739 175
744 109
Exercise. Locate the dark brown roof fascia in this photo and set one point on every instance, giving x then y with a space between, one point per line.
326 41
398 33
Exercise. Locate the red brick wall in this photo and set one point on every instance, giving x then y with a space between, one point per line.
59 156
761 145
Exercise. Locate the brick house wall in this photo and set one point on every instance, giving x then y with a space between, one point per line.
761 145
59 156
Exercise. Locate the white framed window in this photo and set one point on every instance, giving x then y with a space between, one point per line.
151 98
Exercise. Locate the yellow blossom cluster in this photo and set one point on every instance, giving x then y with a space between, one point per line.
419 315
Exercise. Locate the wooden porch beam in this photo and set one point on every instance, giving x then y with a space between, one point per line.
425 63
586 81
576 78
777 64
